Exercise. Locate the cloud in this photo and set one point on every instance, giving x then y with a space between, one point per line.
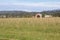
30 6
41 4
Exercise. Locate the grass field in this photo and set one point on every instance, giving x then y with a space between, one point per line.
30 28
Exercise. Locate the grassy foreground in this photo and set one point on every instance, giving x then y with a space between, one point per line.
29 29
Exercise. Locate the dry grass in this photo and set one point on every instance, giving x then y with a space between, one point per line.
30 28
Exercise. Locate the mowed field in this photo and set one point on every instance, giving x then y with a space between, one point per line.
30 28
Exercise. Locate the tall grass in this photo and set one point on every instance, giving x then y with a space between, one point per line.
30 28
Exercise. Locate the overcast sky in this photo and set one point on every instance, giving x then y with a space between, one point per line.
29 5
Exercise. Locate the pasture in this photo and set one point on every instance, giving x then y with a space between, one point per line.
30 28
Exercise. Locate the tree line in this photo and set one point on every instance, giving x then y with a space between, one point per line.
24 14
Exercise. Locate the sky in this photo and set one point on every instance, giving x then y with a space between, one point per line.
29 5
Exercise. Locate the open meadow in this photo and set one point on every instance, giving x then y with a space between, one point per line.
30 28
